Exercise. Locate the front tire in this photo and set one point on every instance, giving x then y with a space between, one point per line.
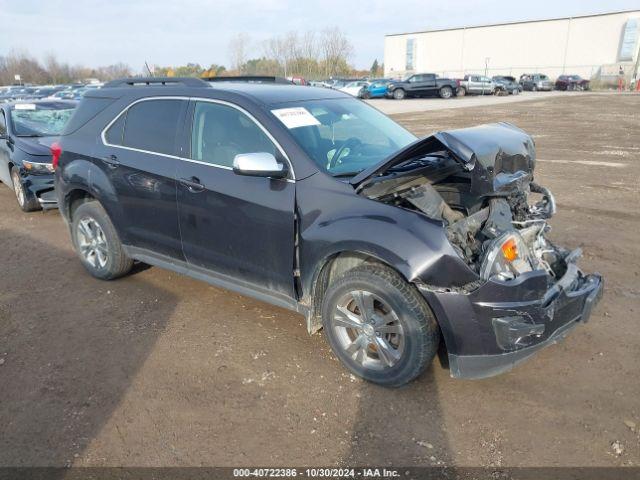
97 243
26 201
446 92
462 91
379 326
399 94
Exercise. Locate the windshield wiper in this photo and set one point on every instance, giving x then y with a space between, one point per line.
346 174
30 135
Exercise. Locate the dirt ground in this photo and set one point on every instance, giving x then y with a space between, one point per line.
156 369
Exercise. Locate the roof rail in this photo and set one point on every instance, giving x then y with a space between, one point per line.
250 79
154 81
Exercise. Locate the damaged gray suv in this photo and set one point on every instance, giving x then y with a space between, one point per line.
314 201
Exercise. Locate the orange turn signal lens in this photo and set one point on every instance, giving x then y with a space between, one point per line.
510 249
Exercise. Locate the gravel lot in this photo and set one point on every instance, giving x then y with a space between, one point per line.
159 370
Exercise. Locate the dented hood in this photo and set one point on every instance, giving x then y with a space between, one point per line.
500 156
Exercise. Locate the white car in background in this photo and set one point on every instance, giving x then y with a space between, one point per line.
354 88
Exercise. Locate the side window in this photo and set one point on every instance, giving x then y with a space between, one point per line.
220 132
114 135
152 125
3 124
428 78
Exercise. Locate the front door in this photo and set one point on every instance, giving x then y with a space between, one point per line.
139 157
239 228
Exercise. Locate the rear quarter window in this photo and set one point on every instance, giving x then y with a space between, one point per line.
115 132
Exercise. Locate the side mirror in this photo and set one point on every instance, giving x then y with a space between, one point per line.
260 164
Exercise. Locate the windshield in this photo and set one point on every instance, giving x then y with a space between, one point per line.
345 136
40 120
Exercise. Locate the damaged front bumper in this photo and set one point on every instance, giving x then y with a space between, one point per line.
489 330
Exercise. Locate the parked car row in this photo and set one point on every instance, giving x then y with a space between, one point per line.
29 92
314 201
430 84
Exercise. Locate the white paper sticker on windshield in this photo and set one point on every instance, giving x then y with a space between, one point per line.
295 117
25 106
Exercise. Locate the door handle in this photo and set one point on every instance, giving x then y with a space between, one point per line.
111 160
193 184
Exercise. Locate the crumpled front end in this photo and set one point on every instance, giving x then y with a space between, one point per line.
529 292
494 327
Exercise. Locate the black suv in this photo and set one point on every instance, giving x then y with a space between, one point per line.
312 200
420 85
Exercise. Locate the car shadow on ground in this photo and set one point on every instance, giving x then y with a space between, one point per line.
68 349
401 427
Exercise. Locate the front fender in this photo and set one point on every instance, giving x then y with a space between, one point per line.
334 219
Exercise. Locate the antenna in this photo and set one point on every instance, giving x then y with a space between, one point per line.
148 69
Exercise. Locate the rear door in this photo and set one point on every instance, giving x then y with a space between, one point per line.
486 84
238 228
428 83
138 155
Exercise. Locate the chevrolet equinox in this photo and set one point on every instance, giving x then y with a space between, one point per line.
314 201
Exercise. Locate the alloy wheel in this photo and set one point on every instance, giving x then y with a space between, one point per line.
368 330
92 242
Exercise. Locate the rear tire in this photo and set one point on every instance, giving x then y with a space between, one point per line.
446 92
534 88
462 91
97 243
379 325
399 94
26 201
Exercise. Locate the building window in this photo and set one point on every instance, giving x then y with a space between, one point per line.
410 53
630 34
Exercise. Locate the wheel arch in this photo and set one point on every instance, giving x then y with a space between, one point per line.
74 198
331 267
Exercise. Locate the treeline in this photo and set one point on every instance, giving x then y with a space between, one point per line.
311 54
188 70
53 71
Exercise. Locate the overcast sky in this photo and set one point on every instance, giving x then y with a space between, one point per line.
175 32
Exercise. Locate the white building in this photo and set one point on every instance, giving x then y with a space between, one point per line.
593 46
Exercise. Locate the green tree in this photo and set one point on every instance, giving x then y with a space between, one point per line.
375 68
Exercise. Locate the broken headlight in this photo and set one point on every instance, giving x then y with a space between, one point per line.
506 257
